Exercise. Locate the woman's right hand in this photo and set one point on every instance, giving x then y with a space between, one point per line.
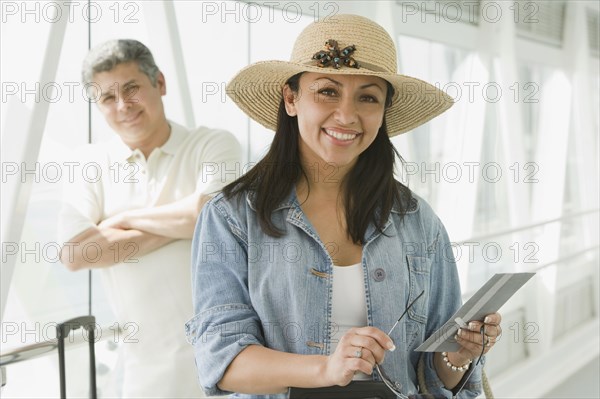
368 342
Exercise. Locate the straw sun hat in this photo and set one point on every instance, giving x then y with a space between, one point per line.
257 89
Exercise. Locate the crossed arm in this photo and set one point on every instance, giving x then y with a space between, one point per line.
133 233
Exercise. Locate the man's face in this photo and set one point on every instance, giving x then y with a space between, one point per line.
129 102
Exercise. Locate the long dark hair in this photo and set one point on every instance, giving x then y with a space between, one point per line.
274 176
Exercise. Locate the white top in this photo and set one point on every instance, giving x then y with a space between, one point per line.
349 305
155 293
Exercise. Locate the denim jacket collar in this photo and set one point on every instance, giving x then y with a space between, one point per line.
296 215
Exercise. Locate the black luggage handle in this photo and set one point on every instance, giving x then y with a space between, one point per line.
62 331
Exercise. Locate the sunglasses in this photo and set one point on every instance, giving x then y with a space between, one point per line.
395 386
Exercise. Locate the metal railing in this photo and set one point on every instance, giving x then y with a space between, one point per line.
63 341
529 226
561 259
39 349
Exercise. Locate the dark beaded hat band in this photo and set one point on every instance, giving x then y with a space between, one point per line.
332 56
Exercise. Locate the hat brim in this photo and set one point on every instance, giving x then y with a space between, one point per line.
257 90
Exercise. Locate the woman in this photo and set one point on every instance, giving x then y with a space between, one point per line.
301 264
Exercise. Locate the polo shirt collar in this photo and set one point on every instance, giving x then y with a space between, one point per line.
119 150
175 139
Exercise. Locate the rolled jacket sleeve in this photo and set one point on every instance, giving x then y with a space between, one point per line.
445 289
225 322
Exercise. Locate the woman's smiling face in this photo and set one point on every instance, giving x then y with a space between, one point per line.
339 116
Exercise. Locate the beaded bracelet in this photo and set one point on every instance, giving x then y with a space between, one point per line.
453 367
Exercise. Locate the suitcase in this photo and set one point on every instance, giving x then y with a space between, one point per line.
62 331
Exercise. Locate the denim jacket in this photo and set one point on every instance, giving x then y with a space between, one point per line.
250 288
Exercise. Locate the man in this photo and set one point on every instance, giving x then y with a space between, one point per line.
133 215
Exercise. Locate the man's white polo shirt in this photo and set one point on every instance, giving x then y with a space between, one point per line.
153 292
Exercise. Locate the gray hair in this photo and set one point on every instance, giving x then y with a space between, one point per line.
108 55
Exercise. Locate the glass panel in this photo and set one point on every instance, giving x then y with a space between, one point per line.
42 291
423 147
214 37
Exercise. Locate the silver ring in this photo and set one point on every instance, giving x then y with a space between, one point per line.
358 353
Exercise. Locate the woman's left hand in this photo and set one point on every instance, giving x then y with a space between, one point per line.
471 339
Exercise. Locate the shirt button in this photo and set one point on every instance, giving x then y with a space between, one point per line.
379 274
